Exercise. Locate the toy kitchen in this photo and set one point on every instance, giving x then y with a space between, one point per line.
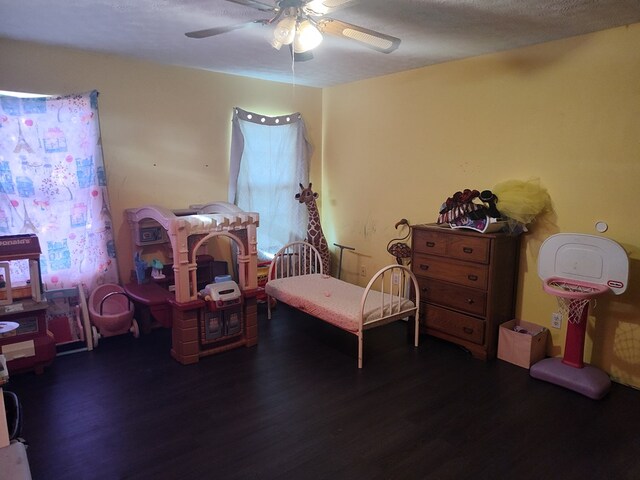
24 339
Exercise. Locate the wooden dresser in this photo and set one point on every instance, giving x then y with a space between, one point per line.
467 284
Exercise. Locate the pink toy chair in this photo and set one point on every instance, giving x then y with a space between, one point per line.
111 312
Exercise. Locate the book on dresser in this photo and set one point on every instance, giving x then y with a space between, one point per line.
467 284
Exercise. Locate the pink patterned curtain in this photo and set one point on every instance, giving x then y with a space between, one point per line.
53 184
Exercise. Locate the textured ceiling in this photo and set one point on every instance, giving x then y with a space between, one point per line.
432 31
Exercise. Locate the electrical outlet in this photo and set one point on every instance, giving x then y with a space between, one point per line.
363 271
395 278
556 320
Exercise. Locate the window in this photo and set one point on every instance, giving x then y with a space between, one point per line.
53 184
269 159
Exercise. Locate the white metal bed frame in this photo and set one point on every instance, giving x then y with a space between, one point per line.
385 299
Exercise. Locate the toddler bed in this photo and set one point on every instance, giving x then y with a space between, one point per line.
296 278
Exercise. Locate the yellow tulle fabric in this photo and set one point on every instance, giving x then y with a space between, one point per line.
522 201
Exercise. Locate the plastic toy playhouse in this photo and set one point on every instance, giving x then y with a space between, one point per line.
577 269
200 328
24 339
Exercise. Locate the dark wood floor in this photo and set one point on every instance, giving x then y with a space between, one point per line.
296 407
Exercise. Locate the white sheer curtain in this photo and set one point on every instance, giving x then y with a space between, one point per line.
269 158
53 184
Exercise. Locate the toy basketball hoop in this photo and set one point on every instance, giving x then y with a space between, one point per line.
576 269
573 296
573 290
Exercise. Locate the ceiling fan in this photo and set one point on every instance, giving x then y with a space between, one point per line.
301 23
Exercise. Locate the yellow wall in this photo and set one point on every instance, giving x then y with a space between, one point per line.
566 112
165 130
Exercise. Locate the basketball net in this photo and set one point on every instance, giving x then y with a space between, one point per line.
572 309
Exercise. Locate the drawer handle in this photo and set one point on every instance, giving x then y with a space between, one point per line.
467 330
467 250
473 278
424 267
425 289
431 244
470 301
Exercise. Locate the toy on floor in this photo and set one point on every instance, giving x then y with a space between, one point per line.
111 312
577 268
68 319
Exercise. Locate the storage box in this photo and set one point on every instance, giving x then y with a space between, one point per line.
524 347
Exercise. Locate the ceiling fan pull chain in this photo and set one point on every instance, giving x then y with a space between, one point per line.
293 67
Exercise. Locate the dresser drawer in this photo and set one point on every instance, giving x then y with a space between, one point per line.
452 323
430 242
466 299
443 242
454 271
471 249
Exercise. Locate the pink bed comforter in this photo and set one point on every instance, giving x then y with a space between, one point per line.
332 300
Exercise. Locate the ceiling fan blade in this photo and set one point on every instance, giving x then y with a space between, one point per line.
369 38
265 7
210 32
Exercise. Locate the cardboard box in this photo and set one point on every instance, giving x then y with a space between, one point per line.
522 348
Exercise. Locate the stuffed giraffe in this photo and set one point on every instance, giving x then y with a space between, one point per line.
314 230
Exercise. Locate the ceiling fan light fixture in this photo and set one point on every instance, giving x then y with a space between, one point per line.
301 24
285 32
307 37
